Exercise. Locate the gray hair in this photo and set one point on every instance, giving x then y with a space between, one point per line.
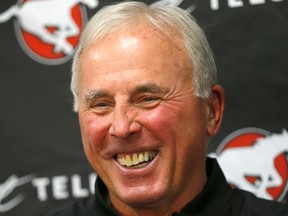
123 15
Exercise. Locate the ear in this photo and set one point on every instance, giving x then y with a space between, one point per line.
215 105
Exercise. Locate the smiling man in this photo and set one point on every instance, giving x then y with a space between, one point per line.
144 84
144 129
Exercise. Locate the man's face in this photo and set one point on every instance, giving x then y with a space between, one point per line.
144 131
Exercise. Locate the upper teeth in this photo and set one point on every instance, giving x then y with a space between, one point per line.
136 158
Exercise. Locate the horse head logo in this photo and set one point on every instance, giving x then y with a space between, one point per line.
49 30
254 160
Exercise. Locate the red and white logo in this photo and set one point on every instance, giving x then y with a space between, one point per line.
253 159
48 30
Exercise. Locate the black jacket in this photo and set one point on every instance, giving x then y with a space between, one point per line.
217 199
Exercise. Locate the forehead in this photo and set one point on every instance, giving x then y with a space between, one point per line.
143 51
166 41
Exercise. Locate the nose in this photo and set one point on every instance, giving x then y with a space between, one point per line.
123 123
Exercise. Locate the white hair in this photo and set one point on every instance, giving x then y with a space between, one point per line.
126 15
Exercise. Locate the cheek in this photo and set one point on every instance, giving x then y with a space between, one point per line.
162 122
184 126
93 131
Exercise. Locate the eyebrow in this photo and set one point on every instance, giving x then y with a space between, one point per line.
150 87
94 94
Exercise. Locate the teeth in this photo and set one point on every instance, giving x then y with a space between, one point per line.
141 158
128 161
120 160
136 159
146 156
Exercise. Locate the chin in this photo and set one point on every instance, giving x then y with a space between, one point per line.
144 196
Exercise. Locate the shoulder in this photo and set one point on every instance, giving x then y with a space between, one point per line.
254 206
80 207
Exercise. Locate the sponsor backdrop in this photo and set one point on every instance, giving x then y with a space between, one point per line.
42 164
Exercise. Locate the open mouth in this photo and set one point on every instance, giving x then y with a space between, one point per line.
136 160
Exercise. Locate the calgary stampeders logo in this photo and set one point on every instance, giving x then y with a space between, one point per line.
255 160
48 30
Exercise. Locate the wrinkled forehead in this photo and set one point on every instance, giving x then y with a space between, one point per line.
143 54
139 27
143 38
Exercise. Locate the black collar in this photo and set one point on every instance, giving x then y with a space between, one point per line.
215 199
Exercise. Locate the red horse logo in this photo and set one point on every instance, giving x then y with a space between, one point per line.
254 160
48 30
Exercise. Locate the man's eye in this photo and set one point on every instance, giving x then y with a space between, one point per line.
150 99
100 105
